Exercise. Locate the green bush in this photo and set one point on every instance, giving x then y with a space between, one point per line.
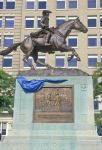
98 119
7 88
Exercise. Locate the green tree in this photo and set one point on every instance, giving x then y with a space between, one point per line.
7 87
98 91
98 71
96 75
98 119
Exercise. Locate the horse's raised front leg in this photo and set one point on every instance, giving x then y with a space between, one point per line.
76 54
65 48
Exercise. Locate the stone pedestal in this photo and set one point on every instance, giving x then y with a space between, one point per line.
64 120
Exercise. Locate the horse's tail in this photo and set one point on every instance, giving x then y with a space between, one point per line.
10 49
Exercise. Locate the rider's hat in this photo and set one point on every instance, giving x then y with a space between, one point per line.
46 11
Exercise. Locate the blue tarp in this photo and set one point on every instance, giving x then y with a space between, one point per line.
30 86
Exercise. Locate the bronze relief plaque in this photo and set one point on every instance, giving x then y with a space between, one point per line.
54 105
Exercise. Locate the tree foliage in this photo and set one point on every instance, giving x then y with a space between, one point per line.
7 87
98 71
98 90
98 119
96 75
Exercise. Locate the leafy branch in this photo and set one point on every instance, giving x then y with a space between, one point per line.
7 88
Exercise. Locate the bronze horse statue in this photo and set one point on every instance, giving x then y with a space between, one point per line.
31 46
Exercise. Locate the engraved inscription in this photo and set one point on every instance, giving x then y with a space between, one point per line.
83 87
54 104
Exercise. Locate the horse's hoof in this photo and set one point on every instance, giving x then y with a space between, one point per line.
32 68
78 59
69 58
49 67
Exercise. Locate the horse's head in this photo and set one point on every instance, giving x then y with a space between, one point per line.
78 25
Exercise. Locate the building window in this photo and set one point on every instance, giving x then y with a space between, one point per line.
72 17
10 4
9 22
42 4
30 60
73 41
8 41
0 41
29 23
42 59
92 60
0 22
72 63
1 4
100 21
30 4
92 41
101 58
101 40
59 21
96 105
72 4
92 21
7 62
91 3
3 128
38 22
59 61
60 4
100 3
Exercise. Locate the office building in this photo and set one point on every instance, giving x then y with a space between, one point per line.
18 18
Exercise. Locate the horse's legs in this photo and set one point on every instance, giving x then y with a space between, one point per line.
27 48
65 48
44 64
76 54
37 61
25 59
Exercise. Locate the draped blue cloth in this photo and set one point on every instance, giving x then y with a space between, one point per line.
30 86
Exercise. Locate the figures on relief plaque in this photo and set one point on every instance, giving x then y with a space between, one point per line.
52 103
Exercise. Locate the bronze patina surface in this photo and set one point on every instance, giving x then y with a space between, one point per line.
54 105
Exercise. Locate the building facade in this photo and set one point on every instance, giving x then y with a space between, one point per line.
6 122
18 18
98 103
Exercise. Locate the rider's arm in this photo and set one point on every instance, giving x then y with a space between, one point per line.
42 23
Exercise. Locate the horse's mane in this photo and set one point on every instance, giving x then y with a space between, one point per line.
63 24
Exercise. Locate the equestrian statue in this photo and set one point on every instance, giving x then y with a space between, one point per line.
47 40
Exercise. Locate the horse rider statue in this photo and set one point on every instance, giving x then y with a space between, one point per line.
44 24
48 40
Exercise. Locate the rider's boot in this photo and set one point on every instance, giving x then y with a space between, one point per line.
47 39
